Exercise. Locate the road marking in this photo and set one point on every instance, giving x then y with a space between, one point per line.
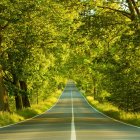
73 133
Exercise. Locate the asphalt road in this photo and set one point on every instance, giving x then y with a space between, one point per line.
72 118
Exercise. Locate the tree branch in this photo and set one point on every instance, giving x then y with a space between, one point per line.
128 15
131 8
136 7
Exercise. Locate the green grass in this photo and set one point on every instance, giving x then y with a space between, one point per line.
114 112
9 118
36 109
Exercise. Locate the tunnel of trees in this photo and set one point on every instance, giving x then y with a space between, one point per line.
44 42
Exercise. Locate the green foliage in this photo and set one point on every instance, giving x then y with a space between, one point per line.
108 58
95 43
7 118
31 46
27 113
114 112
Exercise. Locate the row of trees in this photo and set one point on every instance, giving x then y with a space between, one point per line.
31 50
96 43
110 52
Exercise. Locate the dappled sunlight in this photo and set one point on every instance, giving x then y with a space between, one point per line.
56 123
51 124
38 135
91 124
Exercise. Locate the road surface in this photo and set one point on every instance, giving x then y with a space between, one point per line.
72 118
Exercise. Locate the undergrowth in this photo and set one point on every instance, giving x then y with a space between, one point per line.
114 112
7 118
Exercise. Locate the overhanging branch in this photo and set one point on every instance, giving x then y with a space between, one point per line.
128 15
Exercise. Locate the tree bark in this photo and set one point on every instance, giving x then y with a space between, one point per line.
25 99
37 98
131 8
94 89
136 8
18 99
4 105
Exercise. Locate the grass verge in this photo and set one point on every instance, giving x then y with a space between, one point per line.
113 112
36 109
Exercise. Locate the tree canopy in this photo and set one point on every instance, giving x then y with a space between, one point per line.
45 42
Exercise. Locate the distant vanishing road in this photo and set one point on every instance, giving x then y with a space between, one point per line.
72 118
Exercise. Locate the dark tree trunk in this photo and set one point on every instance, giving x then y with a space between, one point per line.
18 99
131 8
95 93
25 99
136 8
37 98
4 105
94 88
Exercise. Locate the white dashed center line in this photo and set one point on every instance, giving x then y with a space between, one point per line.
73 133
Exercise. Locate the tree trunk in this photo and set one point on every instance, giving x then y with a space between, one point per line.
25 99
37 98
4 105
131 8
18 99
136 8
94 88
95 94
